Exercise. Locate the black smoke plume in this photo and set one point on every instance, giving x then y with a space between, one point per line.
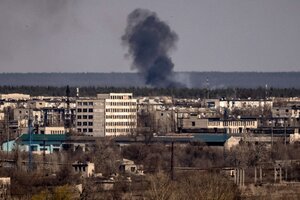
149 41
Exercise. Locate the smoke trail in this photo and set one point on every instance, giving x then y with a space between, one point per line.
149 41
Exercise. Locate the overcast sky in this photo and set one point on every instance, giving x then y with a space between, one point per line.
214 35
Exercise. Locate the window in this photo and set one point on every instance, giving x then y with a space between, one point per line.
90 109
78 123
193 124
78 116
33 148
84 110
84 116
132 169
90 123
79 110
84 123
90 130
90 103
85 103
90 116
80 103
84 130
79 130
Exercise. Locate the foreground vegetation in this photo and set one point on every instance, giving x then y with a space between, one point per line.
197 172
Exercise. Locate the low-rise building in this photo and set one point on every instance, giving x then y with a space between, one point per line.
14 96
86 169
41 143
194 123
128 166
244 104
52 130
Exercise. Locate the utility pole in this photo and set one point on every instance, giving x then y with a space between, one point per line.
30 141
285 132
272 125
44 154
7 129
172 161
207 88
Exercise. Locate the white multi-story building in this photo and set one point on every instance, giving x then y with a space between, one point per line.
120 114
107 115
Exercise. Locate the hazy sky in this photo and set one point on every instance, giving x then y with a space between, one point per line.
214 35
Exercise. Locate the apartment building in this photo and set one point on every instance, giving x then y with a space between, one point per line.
90 116
107 115
120 114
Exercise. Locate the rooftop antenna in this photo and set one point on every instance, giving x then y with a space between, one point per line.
266 92
68 115
77 93
207 88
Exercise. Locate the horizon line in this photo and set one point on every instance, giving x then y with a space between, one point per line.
139 72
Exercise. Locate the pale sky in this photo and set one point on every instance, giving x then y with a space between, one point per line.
214 35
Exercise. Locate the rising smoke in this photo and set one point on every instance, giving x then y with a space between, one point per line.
149 41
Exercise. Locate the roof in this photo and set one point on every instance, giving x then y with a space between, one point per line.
211 138
203 137
208 138
42 137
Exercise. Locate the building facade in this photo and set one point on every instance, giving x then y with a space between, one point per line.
120 114
90 116
107 115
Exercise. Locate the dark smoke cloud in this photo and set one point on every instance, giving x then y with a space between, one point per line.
149 41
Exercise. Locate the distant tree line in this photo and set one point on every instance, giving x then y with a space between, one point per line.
254 93
190 79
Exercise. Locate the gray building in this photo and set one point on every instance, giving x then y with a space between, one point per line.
107 115
90 116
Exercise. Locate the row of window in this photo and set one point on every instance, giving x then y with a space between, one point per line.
120 123
120 97
57 132
85 103
230 123
239 123
214 123
84 110
120 110
85 116
121 103
118 130
84 123
85 130
120 116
